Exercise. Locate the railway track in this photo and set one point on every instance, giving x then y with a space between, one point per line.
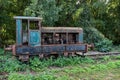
101 54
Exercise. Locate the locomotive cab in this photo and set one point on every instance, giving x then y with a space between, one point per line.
28 31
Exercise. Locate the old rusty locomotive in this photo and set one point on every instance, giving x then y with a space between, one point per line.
33 39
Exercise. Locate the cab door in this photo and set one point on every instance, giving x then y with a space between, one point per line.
34 38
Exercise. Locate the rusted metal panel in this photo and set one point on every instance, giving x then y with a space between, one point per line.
30 50
53 48
19 32
48 49
76 47
34 38
81 37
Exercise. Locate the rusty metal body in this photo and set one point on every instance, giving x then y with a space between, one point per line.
33 39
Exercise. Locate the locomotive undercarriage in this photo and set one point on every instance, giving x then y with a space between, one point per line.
25 52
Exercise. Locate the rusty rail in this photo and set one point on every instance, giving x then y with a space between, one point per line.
101 54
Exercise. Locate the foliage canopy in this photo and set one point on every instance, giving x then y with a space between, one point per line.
101 14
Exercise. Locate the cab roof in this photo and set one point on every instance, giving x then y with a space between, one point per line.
61 29
27 18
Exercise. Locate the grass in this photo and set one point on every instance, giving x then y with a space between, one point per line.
112 74
62 68
68 73
116 48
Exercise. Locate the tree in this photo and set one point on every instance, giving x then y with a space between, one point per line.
67 16
47 9
8 9
113 20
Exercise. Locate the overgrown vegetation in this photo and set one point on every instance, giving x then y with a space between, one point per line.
101 43
100 14
12 64
37 64
78 69
44 76
116 48
52 69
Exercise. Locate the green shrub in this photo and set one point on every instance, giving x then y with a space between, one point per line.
106 58
105 45
118 64
112 65
36 64
1 51
100 67
86 60
9 42
11 65
16 76
92 35
116 48
117 57
59 62
63 77
0 42
64 61
44 77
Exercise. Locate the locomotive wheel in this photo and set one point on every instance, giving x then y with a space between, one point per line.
73 54
66 54
24 57
41 56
